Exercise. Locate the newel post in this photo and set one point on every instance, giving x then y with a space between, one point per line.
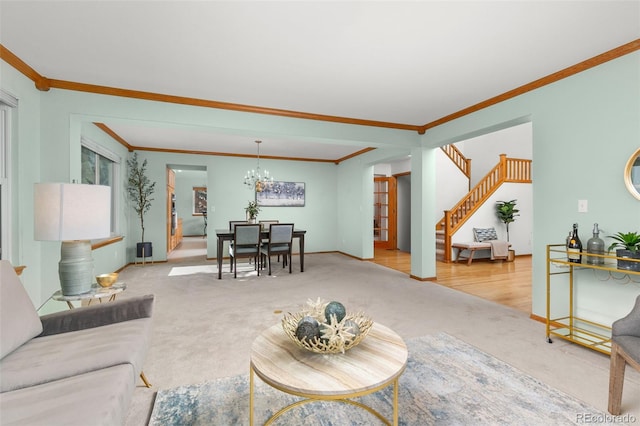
447 236
503 167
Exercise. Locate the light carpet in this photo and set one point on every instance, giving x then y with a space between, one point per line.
447 382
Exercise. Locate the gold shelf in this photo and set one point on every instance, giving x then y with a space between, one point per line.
583 332
572 328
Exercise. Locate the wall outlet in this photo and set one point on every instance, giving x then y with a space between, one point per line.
583 206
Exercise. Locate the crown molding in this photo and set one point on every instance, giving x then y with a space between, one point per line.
132 148
44 84
115 136
159 97
625 49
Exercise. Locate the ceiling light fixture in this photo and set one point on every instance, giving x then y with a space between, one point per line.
255 179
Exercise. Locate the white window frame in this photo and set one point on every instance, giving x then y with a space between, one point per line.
7 104
116 187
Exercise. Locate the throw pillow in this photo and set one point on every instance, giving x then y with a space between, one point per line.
485 234
19 321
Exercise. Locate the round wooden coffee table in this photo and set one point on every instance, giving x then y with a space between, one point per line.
377 362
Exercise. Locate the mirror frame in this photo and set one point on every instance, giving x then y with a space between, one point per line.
627 174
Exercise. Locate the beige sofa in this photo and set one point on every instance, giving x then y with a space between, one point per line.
75 367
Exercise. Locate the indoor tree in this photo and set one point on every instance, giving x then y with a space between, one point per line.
139 189
506 211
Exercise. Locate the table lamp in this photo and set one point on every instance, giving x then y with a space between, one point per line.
74 214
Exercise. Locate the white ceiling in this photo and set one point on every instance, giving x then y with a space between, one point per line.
402 62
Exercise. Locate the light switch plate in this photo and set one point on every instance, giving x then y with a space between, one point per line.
583 206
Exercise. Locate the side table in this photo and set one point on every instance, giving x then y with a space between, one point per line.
377 362
97 292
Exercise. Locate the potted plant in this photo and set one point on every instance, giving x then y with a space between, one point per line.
139 191
506 211
628 248
252 210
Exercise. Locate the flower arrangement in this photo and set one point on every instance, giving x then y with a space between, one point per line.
326 328
252 209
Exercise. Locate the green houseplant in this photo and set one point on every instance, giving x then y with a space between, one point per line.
252 210
628 247
139 191
506 212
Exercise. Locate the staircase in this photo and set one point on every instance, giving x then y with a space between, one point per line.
507 170
440 243
458 158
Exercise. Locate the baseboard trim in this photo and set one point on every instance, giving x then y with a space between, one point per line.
415 277
538 318
364 259
422 279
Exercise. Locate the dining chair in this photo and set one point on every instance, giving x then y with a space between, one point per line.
232 225
265 227
246 243
265 223
280 243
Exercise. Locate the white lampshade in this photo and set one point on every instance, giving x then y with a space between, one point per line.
70 211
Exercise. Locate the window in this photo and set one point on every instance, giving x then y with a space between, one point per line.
7 104
102 167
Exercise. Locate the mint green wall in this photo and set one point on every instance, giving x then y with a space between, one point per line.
591 118
227 197
585 127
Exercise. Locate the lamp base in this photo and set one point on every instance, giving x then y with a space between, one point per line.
75 267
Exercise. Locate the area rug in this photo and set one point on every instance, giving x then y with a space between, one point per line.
447 382
243 270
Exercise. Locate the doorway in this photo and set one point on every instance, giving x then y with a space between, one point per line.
186 213
385 212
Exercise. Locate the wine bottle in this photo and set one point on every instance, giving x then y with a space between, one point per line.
574 248
595 245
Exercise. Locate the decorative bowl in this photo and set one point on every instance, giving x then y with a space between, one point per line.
107 280
340 341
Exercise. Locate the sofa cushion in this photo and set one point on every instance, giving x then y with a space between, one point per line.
485 234
101 397
48 358
19 321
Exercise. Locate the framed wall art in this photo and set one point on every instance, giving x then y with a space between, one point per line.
199 201
282 194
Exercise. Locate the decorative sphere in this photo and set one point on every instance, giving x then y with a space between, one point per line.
308 327
352 327
335 308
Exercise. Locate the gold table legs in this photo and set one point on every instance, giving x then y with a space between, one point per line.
315 398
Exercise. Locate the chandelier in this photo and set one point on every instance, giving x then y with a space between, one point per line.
258 179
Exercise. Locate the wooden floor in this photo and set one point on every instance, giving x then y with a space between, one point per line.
507 283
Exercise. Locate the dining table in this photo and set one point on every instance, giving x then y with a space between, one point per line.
227 235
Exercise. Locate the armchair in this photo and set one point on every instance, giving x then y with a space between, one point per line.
625 349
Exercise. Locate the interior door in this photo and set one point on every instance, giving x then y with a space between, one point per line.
384 212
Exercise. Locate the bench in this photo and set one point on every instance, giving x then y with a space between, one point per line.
472 247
